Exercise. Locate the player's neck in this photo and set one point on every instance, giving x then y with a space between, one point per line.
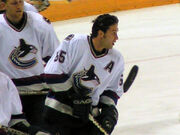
97 45
14 20
20 24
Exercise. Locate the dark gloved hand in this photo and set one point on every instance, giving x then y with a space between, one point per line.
82 107
108 118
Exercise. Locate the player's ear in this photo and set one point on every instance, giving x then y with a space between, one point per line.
101 33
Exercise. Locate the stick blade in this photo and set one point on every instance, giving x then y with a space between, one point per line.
131 77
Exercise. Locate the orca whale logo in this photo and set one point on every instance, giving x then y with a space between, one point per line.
86 79
19 53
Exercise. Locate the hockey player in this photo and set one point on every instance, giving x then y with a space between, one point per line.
11 114
10 103
27 41
27 7
40 5
85 75
35 6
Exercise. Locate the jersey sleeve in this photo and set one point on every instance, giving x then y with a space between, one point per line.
44 31
16 106
59 66
9 100
49 41
115 88
59 62
116 84
63 58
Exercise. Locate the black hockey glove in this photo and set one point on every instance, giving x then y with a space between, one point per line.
108 118
81 98
82 107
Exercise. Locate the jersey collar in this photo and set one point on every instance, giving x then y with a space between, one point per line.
96 53
20 26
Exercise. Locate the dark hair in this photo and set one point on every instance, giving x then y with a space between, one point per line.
103 22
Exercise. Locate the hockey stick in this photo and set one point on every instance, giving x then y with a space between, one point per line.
130 78
96 123
32 92
11 131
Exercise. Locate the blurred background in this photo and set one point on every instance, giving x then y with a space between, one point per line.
68 9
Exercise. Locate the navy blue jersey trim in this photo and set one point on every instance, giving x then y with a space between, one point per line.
55 78
111 95
29 80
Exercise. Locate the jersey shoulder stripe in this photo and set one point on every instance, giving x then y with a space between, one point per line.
55 78
28 80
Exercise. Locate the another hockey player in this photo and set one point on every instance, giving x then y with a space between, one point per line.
27 41
40 5
86 77
27 7
30 5
10 103
11 114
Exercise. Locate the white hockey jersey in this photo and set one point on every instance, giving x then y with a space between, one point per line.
22 50
10 103
76 58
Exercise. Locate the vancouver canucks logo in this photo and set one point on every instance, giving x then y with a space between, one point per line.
86 79
19 53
